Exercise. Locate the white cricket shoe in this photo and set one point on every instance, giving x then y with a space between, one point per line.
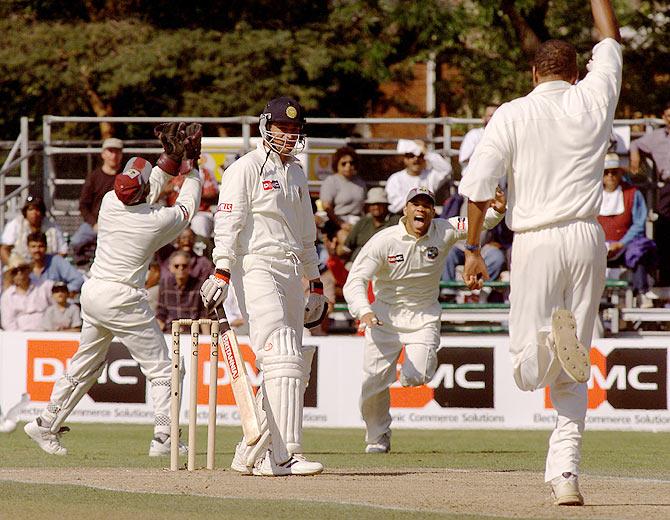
572 355
565 490
160 445
296 465
383 445
239 464
49 442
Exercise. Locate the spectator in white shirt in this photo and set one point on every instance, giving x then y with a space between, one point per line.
422 168
23 303
472 138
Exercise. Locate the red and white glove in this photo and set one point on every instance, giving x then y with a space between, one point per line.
215 289
316 307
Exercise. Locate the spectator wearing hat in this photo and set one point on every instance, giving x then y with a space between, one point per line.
51 267
32 219
23 303
377 218
422 168
62 315
623 213
343 193
97 183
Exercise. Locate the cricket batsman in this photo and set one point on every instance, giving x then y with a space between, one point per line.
405 263
113 301
264 236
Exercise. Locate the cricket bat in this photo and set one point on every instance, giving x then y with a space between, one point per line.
239 381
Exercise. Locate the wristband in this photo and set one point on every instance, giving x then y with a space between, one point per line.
222 274
471 247
316 287
168 164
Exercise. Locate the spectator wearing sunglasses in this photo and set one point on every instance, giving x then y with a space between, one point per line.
422 168
343 193
179 292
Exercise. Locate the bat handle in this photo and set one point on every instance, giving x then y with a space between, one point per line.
221 317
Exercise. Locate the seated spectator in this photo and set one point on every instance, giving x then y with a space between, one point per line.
23 303
61 315
200 266
51 267
422 168
98 182
32 219
623 214
342 194
377 218
179 292
203 221
494 246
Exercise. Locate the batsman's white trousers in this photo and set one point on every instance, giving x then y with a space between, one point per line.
112 309
561 266
271 296
419 331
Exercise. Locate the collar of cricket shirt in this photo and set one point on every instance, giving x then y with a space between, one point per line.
404 234
547 86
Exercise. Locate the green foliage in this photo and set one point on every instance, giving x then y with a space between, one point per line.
210 58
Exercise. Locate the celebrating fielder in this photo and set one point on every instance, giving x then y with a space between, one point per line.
264 234
551 145
113 301
405 262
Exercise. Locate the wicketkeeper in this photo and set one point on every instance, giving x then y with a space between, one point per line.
113 301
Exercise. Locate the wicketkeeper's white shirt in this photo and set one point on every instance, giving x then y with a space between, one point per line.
265 209
551 144
406 270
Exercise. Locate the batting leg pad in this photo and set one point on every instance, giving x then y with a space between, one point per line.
257 451
67 392
283 372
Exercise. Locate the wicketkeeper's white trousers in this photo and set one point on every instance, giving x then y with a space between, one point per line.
562 266
419 331
109 310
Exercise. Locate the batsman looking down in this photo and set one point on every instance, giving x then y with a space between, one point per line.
264 235
131 227
551 146
405 263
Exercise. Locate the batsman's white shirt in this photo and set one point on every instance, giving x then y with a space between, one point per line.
265 209
406 270
551 144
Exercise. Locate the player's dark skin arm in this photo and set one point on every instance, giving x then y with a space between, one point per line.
605 20
474 270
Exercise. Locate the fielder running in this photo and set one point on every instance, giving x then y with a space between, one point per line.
405 262
551 146
113 301
264 235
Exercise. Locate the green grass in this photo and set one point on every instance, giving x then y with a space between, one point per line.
628 454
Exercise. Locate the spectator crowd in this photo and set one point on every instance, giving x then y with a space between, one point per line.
43 273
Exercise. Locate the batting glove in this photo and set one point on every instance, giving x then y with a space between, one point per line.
215 289
316 307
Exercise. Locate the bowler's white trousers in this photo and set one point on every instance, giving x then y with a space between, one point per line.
562 266
419 331
112 309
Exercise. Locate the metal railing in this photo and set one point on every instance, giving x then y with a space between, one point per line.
9 201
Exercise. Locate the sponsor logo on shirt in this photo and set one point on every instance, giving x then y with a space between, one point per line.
432 252
271 185
226 207
461 224
395 259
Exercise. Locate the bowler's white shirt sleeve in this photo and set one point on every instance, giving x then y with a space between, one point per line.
157 180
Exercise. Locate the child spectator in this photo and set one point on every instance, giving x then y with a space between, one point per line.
61 315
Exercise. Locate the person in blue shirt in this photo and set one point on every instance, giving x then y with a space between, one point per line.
51 267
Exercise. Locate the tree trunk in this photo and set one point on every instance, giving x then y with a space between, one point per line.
100 108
